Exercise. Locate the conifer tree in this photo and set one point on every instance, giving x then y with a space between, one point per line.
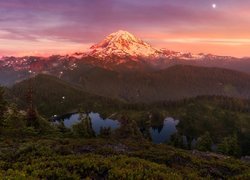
129 128
32 115
105 132
204 143
2 105
84 127
230 146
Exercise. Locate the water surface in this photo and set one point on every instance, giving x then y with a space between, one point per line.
159 134
96 120
163 134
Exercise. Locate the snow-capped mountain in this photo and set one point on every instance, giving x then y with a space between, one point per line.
120 51
122 44
118 47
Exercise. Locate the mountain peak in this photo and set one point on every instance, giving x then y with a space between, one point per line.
121 33
124 35
122 44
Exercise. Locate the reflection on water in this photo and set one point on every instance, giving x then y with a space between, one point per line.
163 133
159 134
96 120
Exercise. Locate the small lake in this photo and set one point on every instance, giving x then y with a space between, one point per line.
159 134
96 120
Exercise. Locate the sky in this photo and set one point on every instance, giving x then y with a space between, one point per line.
46 27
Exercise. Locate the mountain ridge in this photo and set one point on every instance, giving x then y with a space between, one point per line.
122 44
175 82
120 51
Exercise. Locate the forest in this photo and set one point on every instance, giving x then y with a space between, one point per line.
33 147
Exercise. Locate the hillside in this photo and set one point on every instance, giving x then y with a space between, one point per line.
54 96
176 82
197 115
89 84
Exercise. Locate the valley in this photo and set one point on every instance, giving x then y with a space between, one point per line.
197 115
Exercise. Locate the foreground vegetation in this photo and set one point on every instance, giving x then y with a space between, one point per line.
54 158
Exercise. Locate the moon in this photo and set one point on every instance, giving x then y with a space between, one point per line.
214 6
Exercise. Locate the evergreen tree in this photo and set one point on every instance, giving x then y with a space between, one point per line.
177 140
2 105
129 128
105 132
14 121
230 146
84 127
204 143
32 118
61 127
145 125
32 115
156 115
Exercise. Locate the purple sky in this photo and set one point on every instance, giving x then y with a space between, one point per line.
62 26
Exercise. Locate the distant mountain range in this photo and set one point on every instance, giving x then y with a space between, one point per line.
125 68
120 51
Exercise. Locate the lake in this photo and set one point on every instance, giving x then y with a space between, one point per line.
96 120
160 134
